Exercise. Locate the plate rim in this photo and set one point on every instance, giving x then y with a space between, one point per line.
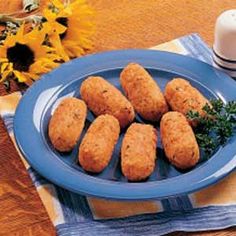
40 85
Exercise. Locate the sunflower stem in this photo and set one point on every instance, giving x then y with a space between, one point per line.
14 13
4 18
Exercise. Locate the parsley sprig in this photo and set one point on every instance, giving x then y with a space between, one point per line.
216 127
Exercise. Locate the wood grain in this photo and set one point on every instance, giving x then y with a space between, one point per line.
120 24
20 206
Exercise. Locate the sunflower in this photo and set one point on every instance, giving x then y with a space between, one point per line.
70 26
24 57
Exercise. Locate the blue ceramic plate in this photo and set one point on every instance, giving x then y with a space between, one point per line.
37 104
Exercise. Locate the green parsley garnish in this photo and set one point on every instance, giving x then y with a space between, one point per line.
216 127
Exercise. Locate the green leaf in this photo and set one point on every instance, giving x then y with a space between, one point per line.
216 126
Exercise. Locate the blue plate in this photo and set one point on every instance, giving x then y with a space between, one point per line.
37 104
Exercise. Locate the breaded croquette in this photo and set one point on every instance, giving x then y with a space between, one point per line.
183 97
138 151
179 141
67 123
143 92
96 148
103 98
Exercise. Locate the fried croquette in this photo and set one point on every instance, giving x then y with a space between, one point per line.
183 97
178 140
66 124
143 92
138 151
103 98
98 143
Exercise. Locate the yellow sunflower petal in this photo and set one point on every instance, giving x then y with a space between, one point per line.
47 27
30 78
28 82
20 76
4 67
51 24
60 28
48 14
31 75
3 54
10 40
2 59
4 75
58 4
67 11
43 56
79 30
36 36
20 33
42 66
56 43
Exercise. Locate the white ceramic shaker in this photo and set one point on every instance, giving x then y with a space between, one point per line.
224 48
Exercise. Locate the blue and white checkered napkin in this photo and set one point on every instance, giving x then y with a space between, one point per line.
73 214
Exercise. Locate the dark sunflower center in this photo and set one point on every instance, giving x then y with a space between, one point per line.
62 21
21 56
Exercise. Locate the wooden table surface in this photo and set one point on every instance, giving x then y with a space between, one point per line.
120 24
